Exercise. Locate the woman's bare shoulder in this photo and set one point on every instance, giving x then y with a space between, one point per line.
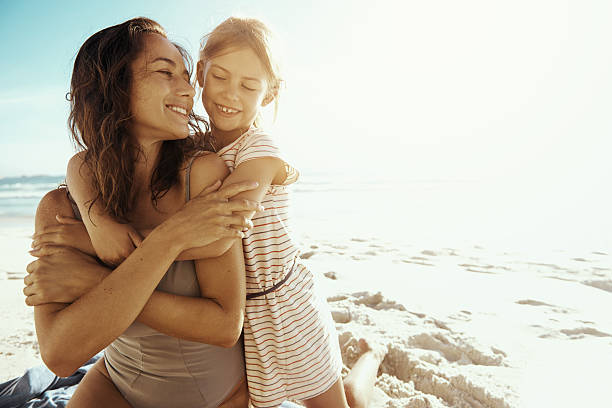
55 202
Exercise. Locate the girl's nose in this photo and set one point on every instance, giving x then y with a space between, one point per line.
231 91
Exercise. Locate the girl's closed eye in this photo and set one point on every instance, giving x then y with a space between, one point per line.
218 77
248 88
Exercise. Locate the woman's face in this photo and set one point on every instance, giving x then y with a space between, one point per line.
161 95
235 86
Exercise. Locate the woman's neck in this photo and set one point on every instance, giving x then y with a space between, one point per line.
145 161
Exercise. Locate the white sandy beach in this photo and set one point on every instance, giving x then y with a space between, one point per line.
464 326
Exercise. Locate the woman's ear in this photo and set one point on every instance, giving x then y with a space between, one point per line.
200 73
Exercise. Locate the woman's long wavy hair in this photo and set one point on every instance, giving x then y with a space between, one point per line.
100 114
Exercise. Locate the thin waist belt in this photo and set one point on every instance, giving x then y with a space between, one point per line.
274 287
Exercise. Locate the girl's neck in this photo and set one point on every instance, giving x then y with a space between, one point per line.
222 138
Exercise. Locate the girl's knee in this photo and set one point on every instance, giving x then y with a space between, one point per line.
354 398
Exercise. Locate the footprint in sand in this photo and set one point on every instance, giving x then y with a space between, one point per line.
307 255
581 332
331 275
418 260
605 284
554 308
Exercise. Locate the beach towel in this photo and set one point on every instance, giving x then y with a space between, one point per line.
40 387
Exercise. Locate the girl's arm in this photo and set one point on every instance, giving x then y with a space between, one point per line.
265 171
112 241
70 334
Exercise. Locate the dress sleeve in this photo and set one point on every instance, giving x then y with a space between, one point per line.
260 144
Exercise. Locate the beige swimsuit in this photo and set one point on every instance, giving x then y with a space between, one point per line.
152 370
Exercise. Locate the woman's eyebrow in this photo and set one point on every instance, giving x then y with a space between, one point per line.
169 61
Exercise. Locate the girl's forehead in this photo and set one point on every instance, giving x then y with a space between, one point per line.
239 61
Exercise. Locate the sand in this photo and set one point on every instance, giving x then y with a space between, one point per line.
464 326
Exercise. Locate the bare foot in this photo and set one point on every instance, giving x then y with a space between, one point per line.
378 350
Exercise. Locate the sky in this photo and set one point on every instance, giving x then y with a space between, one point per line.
518 92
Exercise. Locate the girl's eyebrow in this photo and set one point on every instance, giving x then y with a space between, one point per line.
225 70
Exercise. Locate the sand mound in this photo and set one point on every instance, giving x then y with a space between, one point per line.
421 368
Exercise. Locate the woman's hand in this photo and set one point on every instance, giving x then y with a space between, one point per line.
212 215
61 275
69 232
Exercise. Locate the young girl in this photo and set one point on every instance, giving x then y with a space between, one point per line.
291 346
290 343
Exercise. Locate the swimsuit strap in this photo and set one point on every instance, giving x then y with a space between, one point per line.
187 176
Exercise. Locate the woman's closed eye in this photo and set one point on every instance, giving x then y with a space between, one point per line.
167 73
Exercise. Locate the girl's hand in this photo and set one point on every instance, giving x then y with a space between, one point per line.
113 242
69 232
212 215
61 275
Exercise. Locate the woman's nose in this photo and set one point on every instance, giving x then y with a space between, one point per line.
186 89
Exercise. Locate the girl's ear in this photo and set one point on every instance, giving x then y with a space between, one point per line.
272 94
200 73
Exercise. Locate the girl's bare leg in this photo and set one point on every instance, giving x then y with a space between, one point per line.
97 390
359 382
239 397
332 398
356 389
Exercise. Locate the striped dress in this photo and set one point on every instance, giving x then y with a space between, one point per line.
290 342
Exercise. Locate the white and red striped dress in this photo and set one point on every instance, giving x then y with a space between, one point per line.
290 342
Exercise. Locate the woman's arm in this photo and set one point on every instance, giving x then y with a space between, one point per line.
68 335
216 317
104 312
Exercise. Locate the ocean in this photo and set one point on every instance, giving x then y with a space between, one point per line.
402 211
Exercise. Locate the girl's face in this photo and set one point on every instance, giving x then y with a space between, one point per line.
161 96
235 87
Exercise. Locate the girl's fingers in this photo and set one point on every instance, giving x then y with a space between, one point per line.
33 300
28 290
43 239
48 230
135 237
62 219
47 249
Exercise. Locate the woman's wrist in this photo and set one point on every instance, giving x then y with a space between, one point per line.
164 235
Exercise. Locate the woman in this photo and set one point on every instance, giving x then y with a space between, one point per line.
93 307
127 83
